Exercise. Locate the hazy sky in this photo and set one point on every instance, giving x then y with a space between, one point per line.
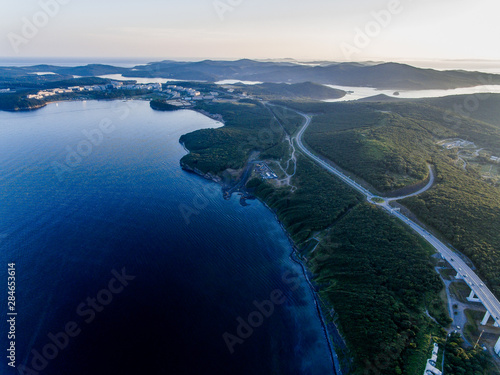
312 29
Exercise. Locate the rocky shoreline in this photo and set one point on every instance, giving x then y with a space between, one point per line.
295 256
208 176
216 116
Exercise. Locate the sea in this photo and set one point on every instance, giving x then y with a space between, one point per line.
123 263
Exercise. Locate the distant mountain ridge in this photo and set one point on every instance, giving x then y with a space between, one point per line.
383 76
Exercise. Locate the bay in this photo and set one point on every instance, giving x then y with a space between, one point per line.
200 264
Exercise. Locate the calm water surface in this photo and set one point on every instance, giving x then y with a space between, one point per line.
126 204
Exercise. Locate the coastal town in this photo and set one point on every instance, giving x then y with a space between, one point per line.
180 96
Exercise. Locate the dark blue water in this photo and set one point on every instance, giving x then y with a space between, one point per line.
196 262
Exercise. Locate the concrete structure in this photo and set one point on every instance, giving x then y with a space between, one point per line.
487 317
481 293
430 368
473 298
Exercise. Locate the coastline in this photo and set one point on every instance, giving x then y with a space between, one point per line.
298 255
293 256
26 109
215 117
181 255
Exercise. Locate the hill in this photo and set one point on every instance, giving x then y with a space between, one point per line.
305 90
373 272
384 76
379 98
389 144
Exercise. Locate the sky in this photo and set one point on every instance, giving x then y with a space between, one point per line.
333 30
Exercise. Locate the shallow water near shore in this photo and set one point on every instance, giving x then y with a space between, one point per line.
199 265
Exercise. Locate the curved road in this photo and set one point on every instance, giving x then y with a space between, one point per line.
423 190
482 292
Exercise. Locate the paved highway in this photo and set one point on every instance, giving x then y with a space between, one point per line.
489 301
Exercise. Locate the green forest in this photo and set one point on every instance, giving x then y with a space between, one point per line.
317 203
18 102
365 263
162 105
378 146
376 274
248 126
462 361
388 145
305 90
